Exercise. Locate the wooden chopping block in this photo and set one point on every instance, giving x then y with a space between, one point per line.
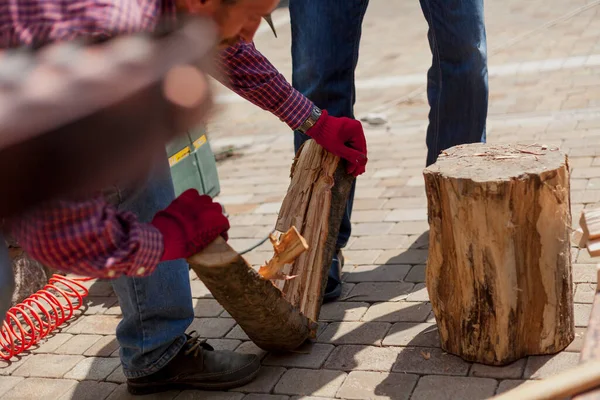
499 265
278 307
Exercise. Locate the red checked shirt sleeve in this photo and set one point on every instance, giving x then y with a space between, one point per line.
31 22
249 74
89 238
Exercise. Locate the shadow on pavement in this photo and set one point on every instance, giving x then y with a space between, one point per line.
383 330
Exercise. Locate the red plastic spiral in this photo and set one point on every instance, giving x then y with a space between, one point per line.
35 317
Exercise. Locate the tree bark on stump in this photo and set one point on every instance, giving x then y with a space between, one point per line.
30 275
499 268
278 306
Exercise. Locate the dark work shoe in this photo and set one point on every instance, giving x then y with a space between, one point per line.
199 366
333 290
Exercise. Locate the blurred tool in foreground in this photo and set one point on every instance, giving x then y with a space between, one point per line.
76 117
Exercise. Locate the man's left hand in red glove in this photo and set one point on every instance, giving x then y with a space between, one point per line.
341 136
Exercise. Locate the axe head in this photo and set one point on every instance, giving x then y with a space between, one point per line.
270 22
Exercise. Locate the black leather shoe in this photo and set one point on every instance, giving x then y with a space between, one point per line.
199 366
333 290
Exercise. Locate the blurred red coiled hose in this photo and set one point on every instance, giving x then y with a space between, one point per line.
35 317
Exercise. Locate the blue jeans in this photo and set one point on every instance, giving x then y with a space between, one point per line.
156 309
325 40
325 46
457 82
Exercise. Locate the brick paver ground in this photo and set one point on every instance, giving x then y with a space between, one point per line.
380 340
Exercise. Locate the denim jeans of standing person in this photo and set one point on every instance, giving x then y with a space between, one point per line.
325 40
325 47
158 309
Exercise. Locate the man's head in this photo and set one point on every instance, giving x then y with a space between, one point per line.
237 19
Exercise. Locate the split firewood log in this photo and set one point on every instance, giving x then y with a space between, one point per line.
254 302
278 306
315 204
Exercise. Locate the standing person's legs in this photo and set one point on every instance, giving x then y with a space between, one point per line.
7 279
325 42
457 82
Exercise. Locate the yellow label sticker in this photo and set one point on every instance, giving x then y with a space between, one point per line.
200 141
180 155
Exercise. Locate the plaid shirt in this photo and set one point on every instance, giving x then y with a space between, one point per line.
92 237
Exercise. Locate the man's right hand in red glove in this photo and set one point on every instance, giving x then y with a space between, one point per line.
189 224
343 137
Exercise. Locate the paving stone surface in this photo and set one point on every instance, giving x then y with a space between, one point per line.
397 312
310 382
381 291
362 358
47 365
90 390
354 332
39 388
429 360
379 340
262 396
542 367
8 382
511 371
264 382
412 334
377 385
93 368
309 355
376 273
343 311
450 388
78 344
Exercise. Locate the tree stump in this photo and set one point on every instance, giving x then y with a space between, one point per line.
499 267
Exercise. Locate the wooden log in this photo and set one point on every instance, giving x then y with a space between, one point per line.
290 247
579 238
571 382
315 204
269 320
591 345
499 268
278 306
590 226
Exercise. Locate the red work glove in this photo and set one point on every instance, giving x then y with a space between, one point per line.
189 224
343 137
